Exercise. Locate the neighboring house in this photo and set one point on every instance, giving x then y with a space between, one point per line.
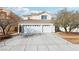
37 23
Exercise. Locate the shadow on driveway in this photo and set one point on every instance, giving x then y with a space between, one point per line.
31 34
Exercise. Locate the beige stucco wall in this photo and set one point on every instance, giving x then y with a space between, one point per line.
25 18
38 17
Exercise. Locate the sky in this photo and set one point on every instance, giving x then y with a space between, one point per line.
20 11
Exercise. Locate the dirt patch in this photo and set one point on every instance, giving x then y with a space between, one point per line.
73 40
72 37
4 37
10 35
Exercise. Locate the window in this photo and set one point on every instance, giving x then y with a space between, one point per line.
44 17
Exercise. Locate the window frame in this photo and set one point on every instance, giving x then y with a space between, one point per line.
44 17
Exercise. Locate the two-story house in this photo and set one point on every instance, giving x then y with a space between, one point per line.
37 23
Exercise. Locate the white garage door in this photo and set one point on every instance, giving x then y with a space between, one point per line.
38 29
32 29
47 28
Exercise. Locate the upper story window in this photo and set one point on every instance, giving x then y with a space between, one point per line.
44 17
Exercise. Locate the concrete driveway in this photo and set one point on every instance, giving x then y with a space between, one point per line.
39 42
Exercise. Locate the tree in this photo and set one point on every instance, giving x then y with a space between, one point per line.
7 20
74 21
67 19
5 25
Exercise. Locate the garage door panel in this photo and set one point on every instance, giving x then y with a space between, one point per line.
32 29
27 29
37 29
47 28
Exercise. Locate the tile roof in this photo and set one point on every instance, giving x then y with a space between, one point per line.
36 21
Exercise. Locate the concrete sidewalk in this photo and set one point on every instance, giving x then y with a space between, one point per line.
40 42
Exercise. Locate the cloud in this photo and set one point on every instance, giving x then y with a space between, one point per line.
73 8
20 10
23 10
26 11
70 8
35 11
61 8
